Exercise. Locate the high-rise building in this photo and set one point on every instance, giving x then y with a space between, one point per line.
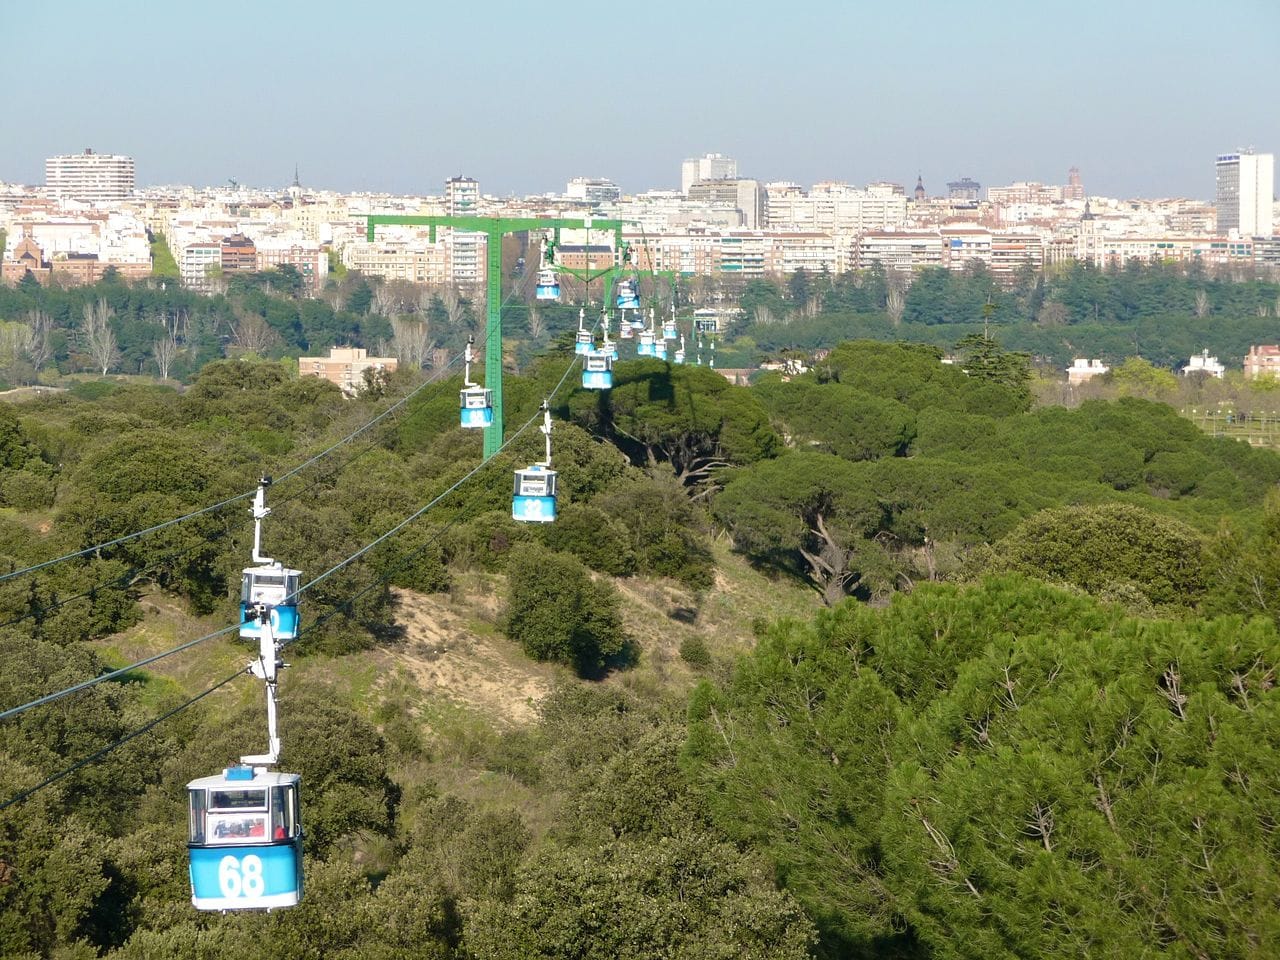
90 176
1246 189
713 166
466 250
593 191
1074 190
742 195
963 189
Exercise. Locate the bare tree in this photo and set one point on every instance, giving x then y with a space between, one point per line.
439 358
1202 303
411 341
1264 310
1052 314
15 343
38 349
252 333
385 301
894 305
454 305
101 338
165 351
762 315
537 324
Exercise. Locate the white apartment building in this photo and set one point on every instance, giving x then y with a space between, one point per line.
466 250
835 208
415 260
197 260
89 177
1246 192
712 166
593 191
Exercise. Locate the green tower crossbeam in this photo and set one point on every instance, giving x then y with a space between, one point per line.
494 229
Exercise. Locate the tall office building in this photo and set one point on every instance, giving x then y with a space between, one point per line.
1246 190
89 176
713 166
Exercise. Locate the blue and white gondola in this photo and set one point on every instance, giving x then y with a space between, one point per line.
534 498
245 840
597 370
628 294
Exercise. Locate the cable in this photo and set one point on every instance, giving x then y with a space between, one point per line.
18 798
124 539
102 678
38 611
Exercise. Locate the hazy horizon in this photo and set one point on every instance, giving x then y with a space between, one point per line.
524 98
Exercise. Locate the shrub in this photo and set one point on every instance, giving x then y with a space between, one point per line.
694 651
557 612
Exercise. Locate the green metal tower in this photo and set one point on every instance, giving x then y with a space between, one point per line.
494 229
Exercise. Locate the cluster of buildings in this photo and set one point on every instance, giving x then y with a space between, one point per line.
90 215
1262 360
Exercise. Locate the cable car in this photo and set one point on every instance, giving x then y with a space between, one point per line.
534 500
625 330
548 286
597 370
669 330
245 840
629 294
270 583
680 350
583 341
475 403
647 347
607 345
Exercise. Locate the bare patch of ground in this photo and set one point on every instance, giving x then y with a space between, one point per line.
449 651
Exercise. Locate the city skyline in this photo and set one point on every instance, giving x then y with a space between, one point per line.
996 91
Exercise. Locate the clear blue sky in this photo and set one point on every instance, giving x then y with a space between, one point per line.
400 95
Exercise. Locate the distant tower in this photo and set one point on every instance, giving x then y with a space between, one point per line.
1246 190
920 194
296 182
1074 190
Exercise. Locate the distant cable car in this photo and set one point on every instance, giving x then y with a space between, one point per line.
669 329
680 350
534 500
583 341
628 294
475 402
625 330
607 345
269 583
244 837
548 286
597 370
647 347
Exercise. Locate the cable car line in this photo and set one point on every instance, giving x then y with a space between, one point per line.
37 612
543 410
18 798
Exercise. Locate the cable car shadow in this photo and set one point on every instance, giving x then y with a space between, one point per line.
688 615
624 659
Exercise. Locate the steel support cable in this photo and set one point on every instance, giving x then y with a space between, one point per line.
49 781
122 581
